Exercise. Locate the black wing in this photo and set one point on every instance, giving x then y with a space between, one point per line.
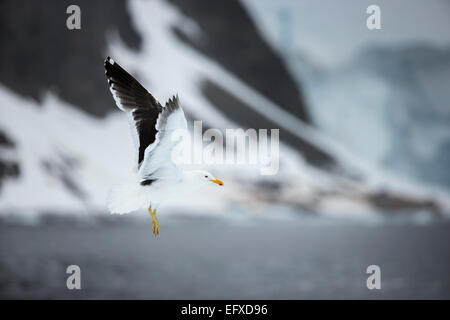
132 97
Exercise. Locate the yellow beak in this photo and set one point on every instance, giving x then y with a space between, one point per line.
217 181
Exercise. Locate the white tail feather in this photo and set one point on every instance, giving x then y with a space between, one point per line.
126 198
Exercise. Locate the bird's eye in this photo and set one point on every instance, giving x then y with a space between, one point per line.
206 176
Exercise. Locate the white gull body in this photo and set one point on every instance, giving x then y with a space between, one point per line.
157 178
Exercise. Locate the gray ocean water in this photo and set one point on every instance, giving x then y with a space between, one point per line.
218 259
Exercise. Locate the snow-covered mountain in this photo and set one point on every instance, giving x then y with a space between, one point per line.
63 143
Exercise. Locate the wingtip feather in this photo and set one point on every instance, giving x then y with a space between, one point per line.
109 60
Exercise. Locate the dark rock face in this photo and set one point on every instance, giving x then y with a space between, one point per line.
230 37
39 53
238 111
5 141
8 168
61 168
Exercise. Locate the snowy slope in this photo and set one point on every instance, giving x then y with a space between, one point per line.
69 160
172 58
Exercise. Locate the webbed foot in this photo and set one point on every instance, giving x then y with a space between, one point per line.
156 226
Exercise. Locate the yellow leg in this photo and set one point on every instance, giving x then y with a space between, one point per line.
156 227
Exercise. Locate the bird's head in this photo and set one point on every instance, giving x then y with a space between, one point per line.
204 177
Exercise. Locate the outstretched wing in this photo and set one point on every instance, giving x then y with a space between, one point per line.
152 124
157 160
